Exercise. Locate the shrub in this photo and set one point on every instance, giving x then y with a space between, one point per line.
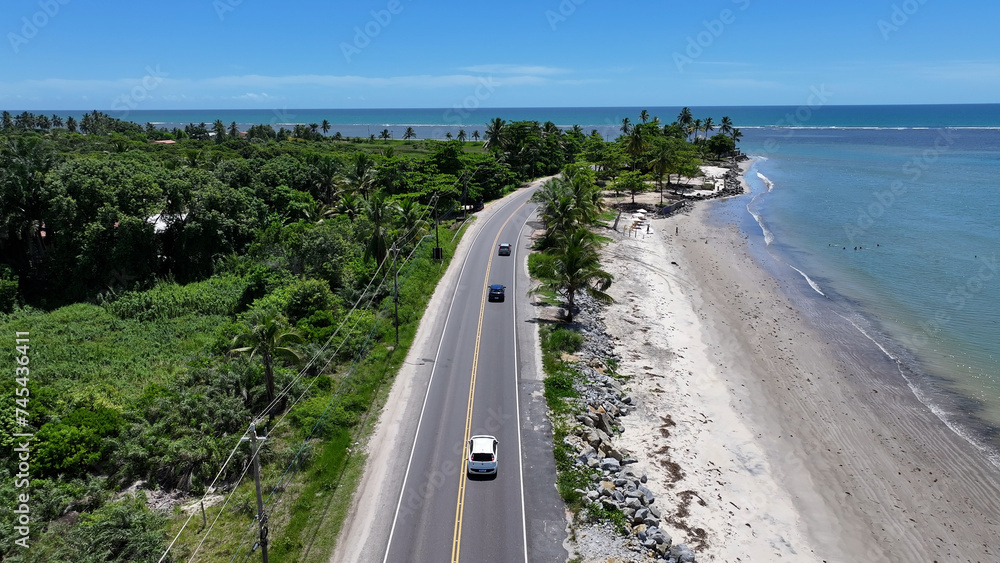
564 340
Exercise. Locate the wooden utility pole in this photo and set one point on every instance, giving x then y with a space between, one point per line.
261 517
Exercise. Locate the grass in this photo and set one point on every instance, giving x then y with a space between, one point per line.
83 351
312 504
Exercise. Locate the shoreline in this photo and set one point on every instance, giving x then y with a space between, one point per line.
794 448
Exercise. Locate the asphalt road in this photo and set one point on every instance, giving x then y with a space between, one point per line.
485 380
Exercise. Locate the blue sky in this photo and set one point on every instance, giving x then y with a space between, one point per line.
221 54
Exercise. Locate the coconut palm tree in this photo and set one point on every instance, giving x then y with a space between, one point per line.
494 139
475 135
350 205
626 127
448 135
576 268
409 134
384 135
644 116
726 127
461 135
361 173
410 216
380 212
325 127
234 130
737 135
695 128
328 179
269 337
685 118
636 145
313 128
707 126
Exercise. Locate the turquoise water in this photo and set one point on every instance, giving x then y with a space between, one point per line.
898 227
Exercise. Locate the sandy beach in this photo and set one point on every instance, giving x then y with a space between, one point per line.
766 442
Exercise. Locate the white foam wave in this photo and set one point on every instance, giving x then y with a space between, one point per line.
767 182
768 236
812 284
939 412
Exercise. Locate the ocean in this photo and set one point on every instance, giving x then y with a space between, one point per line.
882 218
893 230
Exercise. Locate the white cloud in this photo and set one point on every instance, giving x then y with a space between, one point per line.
514 69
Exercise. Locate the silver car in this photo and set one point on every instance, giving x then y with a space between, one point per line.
482 455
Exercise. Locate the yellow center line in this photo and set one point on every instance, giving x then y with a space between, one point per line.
456 545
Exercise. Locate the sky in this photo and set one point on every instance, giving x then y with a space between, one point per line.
245 54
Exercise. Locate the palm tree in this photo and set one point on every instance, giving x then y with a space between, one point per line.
448 135
409 134
662 163
268 336
644 116
385 135
475 135
411 216
328 179
696 128
318 213
636 145
726 127
684 119
707 126
234 130
71 124
56 121
461 135
325 127
626 127
24 163
379 212
576 268
495 134
313 127
737 135
350 205
361 173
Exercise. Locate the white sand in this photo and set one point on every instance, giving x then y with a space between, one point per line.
788 451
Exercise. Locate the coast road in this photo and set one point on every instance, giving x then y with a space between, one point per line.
471 371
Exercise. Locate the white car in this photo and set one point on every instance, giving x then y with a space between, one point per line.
482 455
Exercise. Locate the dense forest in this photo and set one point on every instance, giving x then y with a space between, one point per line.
176 285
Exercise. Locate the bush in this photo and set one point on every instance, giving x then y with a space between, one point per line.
215 296
564 340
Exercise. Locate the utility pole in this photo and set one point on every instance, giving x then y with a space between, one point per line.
261 517
395 299
437 241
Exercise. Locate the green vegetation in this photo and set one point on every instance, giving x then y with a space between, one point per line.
175 293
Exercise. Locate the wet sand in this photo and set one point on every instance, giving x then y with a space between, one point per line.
766 441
